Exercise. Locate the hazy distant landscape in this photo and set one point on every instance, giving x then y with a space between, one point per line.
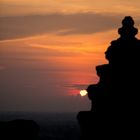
53 126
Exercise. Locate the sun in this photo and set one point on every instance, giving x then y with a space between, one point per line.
83 92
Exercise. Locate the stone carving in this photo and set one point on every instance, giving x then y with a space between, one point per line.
115 98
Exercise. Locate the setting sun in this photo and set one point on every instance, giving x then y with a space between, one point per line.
83 92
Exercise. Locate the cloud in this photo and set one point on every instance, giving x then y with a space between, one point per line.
60 24
77 86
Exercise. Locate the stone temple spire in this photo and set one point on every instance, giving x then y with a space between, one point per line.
127 46
115 109
127 31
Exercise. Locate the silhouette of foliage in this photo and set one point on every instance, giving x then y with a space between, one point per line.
19 130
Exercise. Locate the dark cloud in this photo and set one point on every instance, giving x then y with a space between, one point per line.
77 86
61 24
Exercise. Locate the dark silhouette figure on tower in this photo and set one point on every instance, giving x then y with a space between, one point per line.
115 111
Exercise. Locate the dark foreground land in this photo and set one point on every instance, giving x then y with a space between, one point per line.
53 126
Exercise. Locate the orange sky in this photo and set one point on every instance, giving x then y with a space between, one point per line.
49 50
16 7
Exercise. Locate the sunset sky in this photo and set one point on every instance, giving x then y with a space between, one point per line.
49 50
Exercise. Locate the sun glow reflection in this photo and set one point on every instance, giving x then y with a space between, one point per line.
83 92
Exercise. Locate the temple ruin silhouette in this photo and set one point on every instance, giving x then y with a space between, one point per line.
115 111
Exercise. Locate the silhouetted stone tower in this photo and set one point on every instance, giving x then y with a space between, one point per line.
115 112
